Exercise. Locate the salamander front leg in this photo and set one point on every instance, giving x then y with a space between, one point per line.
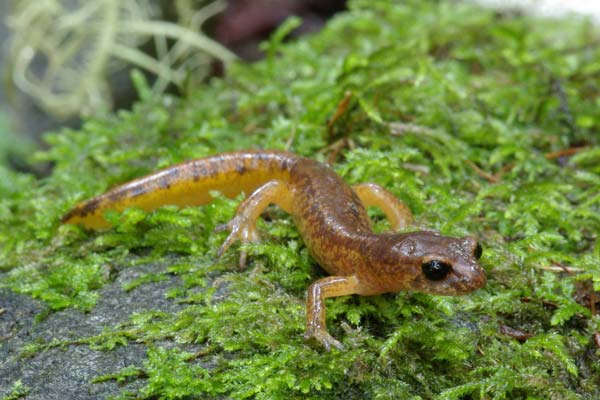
331 286
371 194
243 226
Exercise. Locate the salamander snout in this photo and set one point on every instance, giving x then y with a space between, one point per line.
441 264
454 267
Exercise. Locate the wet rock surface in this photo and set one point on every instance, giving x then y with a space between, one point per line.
67 372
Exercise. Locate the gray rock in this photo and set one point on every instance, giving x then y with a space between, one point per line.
67 372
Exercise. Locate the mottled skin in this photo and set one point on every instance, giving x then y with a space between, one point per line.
331 217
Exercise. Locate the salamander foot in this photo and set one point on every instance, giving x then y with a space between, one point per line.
241 229
324 338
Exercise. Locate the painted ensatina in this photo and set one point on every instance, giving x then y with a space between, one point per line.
331 218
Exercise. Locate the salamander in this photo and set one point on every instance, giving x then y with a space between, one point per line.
330 215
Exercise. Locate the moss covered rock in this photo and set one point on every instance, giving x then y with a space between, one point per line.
483 123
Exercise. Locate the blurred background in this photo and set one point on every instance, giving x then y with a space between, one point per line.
67 59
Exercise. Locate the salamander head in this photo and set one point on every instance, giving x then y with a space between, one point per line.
431 263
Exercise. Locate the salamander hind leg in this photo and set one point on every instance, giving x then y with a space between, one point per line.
331 286
243 225
371 194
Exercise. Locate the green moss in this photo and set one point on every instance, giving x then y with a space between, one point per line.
17 391
456 110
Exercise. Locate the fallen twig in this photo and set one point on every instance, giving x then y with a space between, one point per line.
564 153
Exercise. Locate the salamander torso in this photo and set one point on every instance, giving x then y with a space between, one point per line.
330 215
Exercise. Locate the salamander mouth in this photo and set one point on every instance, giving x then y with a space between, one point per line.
470 283
457 285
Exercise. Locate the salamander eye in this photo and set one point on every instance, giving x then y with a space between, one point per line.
478 250
436 270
